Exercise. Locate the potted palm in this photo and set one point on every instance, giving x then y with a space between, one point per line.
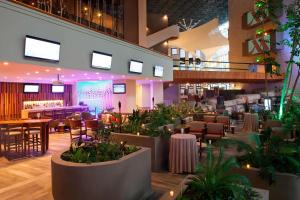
215 180
271 163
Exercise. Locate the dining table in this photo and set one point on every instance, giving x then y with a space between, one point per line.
44 135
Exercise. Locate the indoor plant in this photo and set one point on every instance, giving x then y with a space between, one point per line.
214 180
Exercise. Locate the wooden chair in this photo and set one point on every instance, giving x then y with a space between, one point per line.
92 127
33 136
86 116
53 124
197 128
77 131
209 118
214 131
224 120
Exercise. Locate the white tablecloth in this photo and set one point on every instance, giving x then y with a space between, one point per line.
183 155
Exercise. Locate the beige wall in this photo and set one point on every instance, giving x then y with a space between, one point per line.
127 100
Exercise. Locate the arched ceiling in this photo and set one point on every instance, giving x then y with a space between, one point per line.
204 10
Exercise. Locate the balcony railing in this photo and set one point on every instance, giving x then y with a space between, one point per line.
102 16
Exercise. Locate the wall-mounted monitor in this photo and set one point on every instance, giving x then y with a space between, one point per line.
119 88
158 71
31 88
58 89
174 51
101 60
41 49
136 67
181 53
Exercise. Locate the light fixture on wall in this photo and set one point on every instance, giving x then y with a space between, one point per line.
165 17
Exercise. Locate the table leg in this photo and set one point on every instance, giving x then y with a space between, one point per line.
43 138
47 136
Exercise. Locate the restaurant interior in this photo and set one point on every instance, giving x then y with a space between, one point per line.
149 100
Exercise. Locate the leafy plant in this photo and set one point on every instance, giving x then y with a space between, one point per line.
268 153
90 152
136 122
215 181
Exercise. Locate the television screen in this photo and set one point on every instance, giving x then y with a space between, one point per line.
31 88
58 88
119 88
158 71
182 53
41 49
101 60
174 51
136 66
267 104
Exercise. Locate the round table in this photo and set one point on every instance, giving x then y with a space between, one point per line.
183 155
251 122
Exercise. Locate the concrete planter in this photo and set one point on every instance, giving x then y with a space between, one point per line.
128 178
287 186
158 145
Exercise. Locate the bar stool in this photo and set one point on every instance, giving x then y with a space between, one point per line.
32 136
13 138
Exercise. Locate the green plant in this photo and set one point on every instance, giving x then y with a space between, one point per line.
268 153
136 122
90 152
215 181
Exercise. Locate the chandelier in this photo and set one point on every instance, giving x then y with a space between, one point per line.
184 25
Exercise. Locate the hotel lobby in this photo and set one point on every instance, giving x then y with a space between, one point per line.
149 100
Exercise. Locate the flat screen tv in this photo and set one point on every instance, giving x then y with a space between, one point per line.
174 51
119 88
58 89
158 71
31 88
181 53
136 67
41 49
101 60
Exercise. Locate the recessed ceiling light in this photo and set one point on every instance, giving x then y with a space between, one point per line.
100 78
5 63
88 78
5 77
27 73
112 77
73 75
62 76
85 74
47 70
58 69
123 76
39 78
97 73
37 72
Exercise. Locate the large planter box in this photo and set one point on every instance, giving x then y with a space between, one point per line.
128 178
287 186
159 148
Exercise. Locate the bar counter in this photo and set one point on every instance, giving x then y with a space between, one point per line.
54 112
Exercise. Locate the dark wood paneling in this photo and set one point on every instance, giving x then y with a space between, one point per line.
12 97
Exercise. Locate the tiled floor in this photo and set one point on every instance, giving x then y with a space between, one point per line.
30 179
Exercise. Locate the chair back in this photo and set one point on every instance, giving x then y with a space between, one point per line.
209 118
196 126
92 124
215 129
75 124
223 119
86 116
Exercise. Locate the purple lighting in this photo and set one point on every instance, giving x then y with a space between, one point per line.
96 94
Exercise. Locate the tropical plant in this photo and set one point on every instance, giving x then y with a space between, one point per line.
136 122
269 153
216 181
90 152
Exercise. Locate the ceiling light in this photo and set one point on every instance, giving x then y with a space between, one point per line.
97 73
123 76
85 74
58 69
27 73
88 78
62 76
73 75
100 78
112 77
5 63
85 8
47 70
165 17
37 72
99 14
5 77
166 43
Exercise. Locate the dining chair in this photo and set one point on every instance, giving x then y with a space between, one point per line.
214 131
78 130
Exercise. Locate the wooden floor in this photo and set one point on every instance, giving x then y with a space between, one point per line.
30 178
